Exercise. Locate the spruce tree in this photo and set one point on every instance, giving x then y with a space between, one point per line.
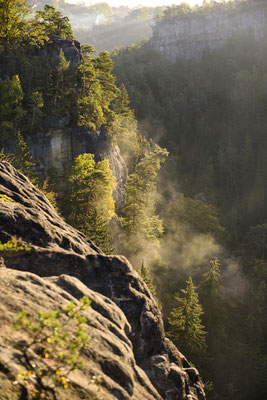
186 327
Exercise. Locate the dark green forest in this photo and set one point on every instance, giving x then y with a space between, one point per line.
193 135
210 114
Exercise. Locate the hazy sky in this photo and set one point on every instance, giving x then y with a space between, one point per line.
132 3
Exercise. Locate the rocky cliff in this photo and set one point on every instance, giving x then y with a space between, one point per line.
71 48
190 34
58 142
57 145
128 347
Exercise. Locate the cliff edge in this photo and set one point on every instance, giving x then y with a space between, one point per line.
128 347
189 35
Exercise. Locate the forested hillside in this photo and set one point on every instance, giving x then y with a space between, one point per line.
210 115
192 134
103 26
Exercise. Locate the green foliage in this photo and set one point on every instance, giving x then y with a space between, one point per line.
4 197
11 95
36 103
92 204
6 156
211 280
138 216
47 189
50 22
175 11
23 160
147 278
13 245
121 103
255 241
15 26
186 328
54 348
195 214
97 91
185 105
13 21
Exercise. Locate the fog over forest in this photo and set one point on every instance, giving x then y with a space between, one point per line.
186 198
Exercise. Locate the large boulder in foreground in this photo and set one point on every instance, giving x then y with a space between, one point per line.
128 347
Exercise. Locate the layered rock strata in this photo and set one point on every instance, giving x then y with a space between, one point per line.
55 148
189 35
128 347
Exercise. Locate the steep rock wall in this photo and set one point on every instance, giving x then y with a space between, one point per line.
70 47
56 147
57 144
129 349
189 35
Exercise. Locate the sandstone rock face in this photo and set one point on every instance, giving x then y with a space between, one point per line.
58 145
70 47
128 347
188 36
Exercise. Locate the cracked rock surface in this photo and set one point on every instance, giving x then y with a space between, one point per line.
128 347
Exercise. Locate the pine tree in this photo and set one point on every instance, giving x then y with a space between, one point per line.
63 88
121 103
92 204
36 103
11 95
97 91
16 27
13 21
50 22
186 327
98 230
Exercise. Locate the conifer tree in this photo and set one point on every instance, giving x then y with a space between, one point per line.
97 91
186 327
13 21
139 219
36 103
211 296
121 103
11 95
63 88
214 318
23 160
16 27
147 278
50 22
92 204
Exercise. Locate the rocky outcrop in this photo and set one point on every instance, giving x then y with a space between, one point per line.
128 347
70 47
189 35
56 147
